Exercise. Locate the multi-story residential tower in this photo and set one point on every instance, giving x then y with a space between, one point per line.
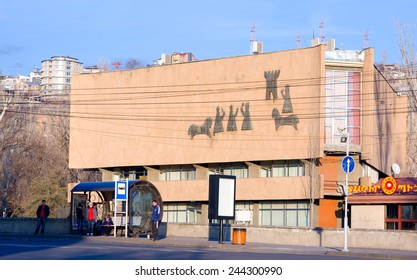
56 75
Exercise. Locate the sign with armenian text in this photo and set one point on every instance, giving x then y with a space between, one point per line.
388 186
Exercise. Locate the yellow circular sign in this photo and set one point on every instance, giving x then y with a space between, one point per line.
389 185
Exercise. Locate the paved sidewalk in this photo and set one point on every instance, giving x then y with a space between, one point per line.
249 246
291 249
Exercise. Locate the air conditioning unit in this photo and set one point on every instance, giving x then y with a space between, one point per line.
257 47
331 45
315 42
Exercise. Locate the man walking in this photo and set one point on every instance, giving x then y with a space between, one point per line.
156 216
42 214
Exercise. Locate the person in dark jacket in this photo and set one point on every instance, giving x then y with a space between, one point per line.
156 216
42 214
107 225
80 217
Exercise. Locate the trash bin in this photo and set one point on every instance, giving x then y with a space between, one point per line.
239 236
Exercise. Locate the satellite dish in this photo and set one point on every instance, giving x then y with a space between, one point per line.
395 168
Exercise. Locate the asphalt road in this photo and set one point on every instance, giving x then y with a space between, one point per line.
107 249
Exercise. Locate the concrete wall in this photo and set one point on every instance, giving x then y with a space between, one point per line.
368 216
28 225
373 239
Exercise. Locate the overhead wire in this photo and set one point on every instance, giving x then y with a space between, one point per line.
101 117
161 89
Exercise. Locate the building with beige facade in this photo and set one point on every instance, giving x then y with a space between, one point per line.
273 120
56 74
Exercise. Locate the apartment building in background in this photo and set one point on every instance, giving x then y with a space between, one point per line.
56 75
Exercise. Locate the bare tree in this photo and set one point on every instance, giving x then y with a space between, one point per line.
5 106
104 65
13 141
312 189
132 63
36 166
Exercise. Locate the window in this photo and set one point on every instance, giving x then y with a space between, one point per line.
238 169
177 172
284 213
392 211
282 168
244 210
401 216
342 105
182 213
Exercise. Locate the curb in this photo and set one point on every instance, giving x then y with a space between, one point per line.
382 256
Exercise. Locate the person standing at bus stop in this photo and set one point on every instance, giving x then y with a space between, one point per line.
80 218
42 214
156 216
91 217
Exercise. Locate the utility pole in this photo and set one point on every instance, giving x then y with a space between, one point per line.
348 164
345 248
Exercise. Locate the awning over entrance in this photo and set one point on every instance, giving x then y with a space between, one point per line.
94 186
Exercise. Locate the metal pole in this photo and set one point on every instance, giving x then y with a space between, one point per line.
345 248
221 232
127 208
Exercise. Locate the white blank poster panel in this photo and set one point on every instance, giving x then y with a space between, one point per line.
226 197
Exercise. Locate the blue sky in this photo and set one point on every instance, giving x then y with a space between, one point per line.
103 30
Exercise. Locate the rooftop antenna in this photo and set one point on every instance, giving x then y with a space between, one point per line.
297 41
321 26
365 40
252 37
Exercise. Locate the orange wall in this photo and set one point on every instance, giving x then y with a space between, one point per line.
142 116
330 169
327 213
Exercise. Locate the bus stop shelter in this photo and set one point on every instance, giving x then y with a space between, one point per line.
136 209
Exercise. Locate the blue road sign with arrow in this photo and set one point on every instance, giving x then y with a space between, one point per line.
348 164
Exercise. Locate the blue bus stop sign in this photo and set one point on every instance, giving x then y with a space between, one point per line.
348 164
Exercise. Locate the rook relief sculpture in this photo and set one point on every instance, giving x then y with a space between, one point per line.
271 84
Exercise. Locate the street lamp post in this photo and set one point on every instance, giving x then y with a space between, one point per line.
345 248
